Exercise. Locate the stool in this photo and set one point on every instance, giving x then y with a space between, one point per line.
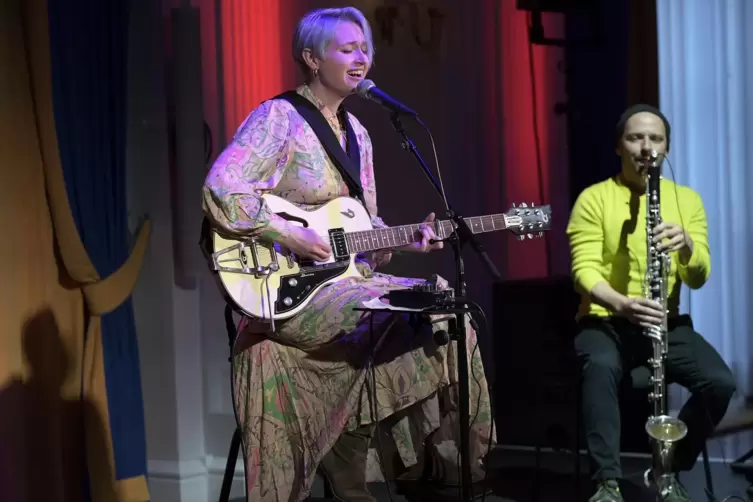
640 382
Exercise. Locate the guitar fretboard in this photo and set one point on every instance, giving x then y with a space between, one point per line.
393 237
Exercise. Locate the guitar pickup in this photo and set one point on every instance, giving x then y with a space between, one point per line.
339 244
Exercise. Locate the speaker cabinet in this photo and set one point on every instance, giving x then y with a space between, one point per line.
537 376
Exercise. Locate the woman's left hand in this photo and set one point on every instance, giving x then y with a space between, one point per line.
380 258
427 234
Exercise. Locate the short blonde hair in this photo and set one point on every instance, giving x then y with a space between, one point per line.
317 28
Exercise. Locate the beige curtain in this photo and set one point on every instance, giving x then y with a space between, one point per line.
54 421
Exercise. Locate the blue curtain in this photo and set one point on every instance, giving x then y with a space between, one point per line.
705 81
88 42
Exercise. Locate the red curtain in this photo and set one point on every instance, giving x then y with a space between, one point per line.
521 84
255 42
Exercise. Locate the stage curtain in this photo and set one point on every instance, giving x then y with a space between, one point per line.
705 77
524 133
72 423
88 44
40 312
252 54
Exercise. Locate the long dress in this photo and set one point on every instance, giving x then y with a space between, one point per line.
297 389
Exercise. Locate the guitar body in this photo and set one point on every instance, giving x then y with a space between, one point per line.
247 267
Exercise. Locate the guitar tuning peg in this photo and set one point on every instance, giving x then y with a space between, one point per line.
520 237
523 204
530 236
513 205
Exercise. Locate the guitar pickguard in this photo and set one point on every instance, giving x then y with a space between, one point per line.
296 288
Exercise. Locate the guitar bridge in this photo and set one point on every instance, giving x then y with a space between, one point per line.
245 248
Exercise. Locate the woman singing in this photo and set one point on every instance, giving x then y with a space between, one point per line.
300 393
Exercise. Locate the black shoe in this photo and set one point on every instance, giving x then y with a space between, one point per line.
608 491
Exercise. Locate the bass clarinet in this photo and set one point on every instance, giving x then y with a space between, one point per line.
664 431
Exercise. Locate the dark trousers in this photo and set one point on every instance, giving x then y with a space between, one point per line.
611 348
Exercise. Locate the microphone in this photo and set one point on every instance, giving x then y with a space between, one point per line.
368 90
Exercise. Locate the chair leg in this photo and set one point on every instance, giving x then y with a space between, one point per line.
232 458
536 469
328 494
537 451
707 474
576 451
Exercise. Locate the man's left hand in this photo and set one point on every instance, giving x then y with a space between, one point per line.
671 237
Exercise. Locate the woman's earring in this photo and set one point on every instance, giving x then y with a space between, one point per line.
316 72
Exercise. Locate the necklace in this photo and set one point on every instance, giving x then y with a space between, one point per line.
339 127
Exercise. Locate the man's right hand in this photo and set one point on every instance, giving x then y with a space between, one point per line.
306 243
641 311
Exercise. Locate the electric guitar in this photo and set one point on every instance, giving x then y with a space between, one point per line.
267 282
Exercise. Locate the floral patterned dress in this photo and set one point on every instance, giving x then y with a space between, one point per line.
297 389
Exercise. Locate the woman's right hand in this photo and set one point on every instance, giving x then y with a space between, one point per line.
306 243
642 311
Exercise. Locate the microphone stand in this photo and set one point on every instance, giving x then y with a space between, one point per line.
461 235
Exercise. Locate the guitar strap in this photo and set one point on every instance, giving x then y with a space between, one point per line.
348 162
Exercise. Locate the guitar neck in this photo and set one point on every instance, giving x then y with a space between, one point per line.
394 237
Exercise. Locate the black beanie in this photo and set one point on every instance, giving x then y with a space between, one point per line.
638 109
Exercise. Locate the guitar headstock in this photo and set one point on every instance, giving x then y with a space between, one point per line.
528 221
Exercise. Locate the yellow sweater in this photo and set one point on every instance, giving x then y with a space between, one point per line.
607 234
